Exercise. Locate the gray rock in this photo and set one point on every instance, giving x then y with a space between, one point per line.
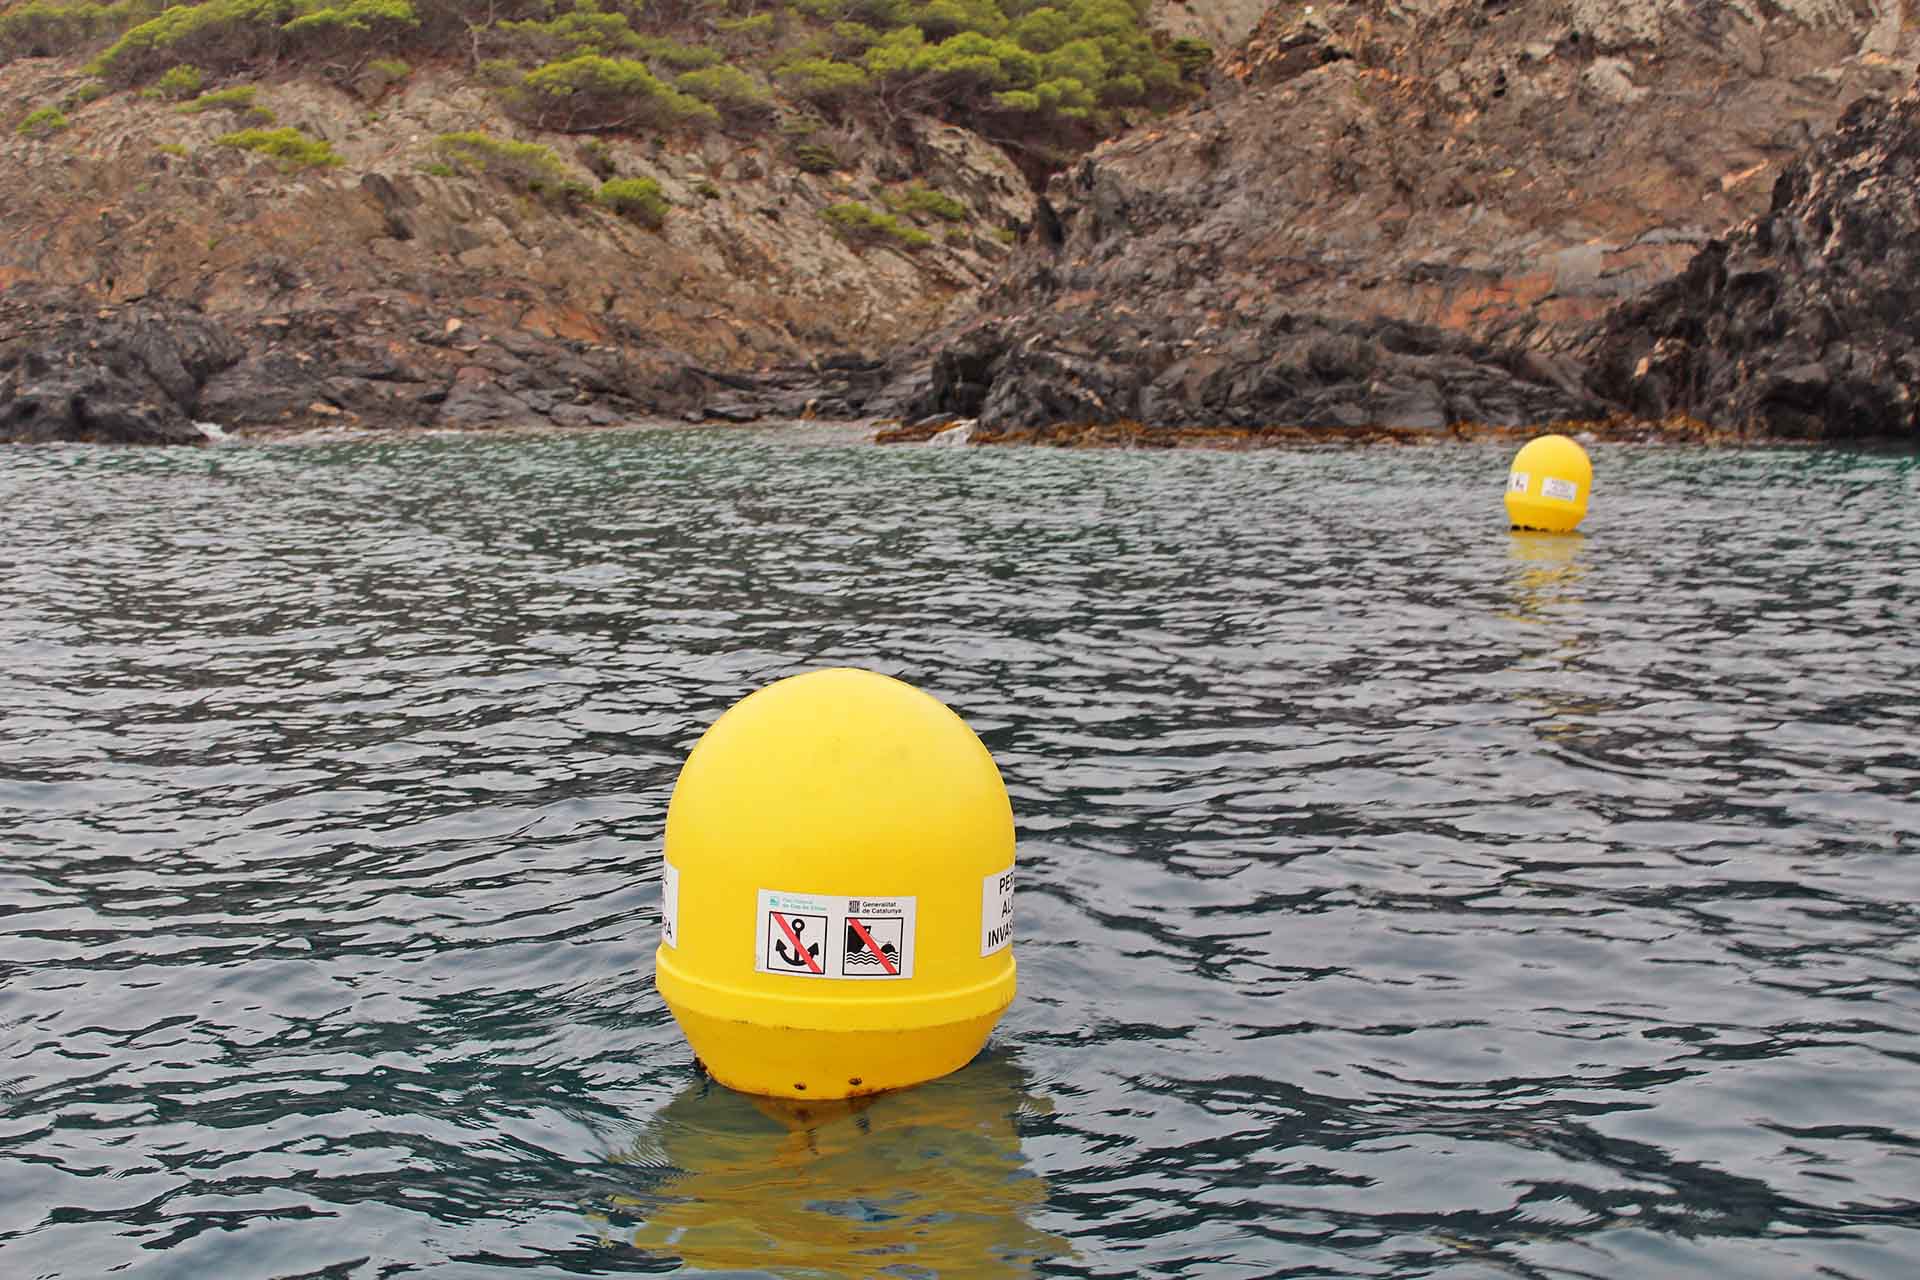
1611 78
731 410
1801 321
72 370
476 400
1056 368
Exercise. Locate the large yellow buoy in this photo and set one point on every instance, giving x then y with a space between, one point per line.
1548 484
837 890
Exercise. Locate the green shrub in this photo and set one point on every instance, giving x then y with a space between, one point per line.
173 149
481 154
637 198
1192 56
379 76
1051 81
352 22
591 92
525 166
225 34
916 200
749 31
237 98
730 91
42 29
676 56
965 66
182 81
582 30
851 39
292 148
824 81
859 225
707 191
1043 30
815 157
942 18
91 91
42 123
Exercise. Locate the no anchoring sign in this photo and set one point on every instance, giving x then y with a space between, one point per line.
812 935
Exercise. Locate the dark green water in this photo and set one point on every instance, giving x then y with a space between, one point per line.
1399 896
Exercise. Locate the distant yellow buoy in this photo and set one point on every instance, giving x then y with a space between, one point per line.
1548 485
837 890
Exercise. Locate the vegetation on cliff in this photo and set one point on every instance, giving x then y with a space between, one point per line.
292 148
1043 78
859 225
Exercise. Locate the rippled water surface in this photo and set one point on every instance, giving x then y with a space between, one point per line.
1399 896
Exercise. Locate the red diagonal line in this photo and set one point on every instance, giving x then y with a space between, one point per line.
873 946
794 938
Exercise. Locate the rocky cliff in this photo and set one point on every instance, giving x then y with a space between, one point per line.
386 291
1382 215
1409 214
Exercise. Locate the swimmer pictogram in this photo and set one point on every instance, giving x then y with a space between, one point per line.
872 947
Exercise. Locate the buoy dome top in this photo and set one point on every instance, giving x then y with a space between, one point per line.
1556 455
843 768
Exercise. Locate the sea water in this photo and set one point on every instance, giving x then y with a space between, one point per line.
1398 895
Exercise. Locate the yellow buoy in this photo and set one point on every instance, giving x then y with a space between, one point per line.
837 890
1548 484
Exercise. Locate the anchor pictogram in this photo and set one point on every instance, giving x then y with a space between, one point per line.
805 956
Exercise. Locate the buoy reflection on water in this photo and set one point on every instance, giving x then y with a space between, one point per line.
928 1181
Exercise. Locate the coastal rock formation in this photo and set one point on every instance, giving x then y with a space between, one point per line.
146 371
132 375
1509 171
1098 365
1800 323
1405 214
387 292
1479 180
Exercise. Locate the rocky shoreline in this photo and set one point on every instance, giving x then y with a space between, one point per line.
1381 224
1619 429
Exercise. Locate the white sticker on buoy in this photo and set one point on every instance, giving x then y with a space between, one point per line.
811 935
669 903
1565 490
1517 481
996 911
